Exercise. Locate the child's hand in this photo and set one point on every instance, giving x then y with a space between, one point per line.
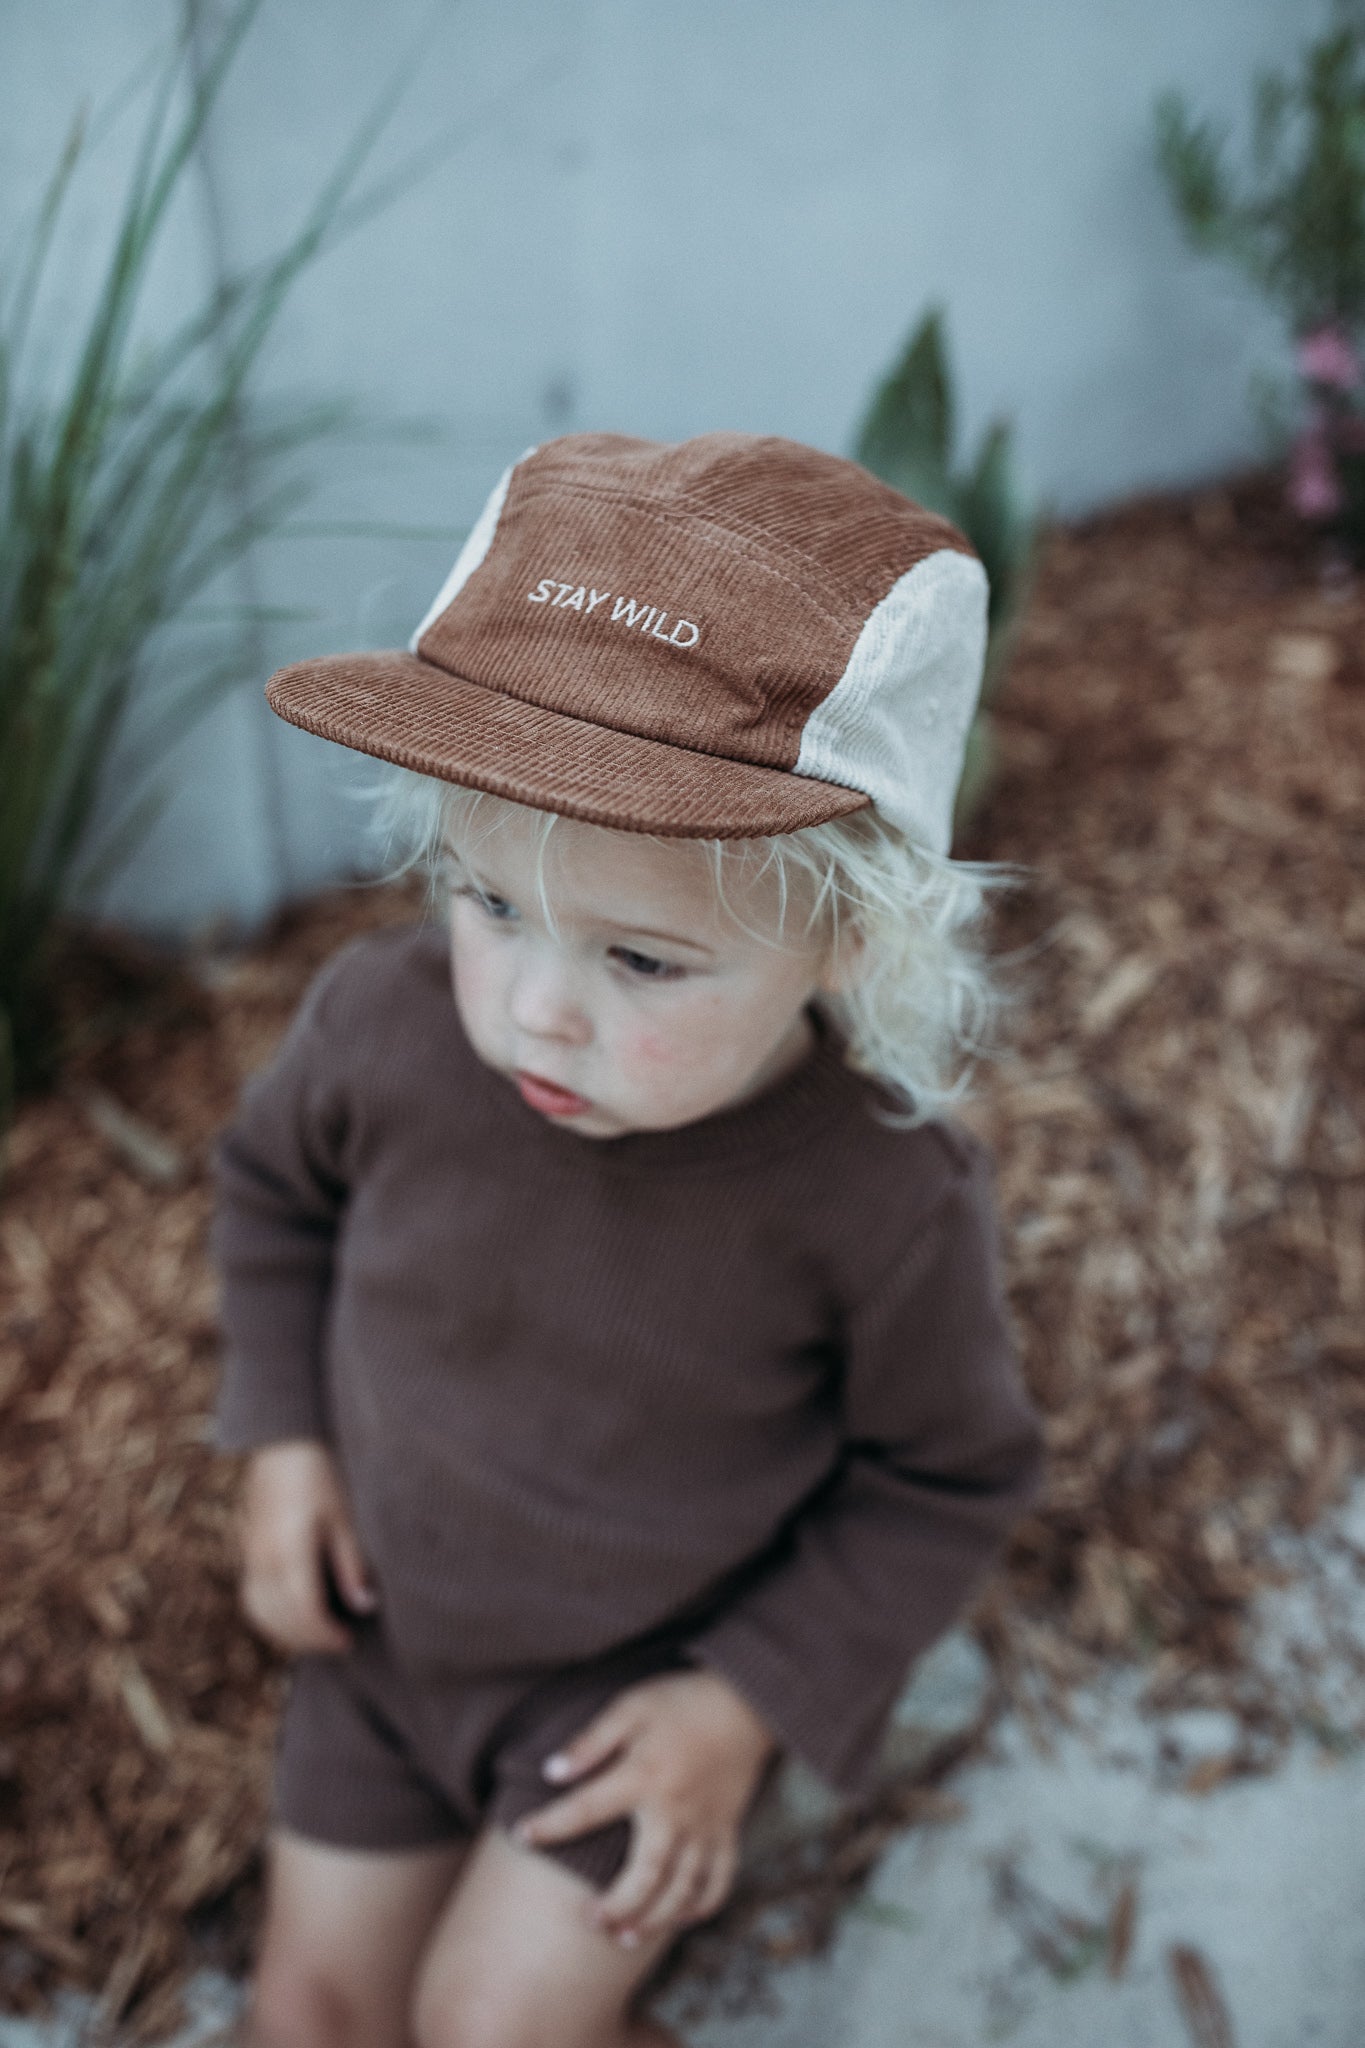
295 1527
688 1755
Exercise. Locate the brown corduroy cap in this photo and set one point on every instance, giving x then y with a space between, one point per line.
733 636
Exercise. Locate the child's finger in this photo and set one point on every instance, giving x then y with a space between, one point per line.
647 1869
672 1901
716 1885
592 1745
316 1637
310 1622
591 1806
286 1624
349 1569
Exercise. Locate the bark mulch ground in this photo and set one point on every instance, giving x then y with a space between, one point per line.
1179 1125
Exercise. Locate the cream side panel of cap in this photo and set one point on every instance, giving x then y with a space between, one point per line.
477 543
895 724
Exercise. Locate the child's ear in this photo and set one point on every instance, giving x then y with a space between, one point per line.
843 961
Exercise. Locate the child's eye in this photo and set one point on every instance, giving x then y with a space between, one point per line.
496 907
645 965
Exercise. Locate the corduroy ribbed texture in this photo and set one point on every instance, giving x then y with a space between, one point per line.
756 1368
647 635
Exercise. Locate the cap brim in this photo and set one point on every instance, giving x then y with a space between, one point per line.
407 710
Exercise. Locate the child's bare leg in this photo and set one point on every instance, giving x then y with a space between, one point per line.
515 1962
344 1929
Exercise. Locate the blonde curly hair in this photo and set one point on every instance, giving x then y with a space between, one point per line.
921 1003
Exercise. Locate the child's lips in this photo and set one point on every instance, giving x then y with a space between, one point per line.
548 1097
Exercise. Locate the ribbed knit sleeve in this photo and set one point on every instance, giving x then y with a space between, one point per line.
942 1449
281 1189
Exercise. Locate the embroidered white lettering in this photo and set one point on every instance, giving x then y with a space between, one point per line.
625 611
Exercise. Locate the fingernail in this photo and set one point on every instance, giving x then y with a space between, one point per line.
556 1767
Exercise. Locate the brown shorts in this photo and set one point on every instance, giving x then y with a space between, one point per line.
365 1760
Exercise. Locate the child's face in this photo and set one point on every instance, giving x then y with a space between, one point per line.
645 1005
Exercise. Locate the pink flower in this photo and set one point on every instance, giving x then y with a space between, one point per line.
1314 491
1327 356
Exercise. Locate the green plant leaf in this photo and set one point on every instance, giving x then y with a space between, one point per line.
992 515
978 771
1190 154
907 435
114 519
1296 225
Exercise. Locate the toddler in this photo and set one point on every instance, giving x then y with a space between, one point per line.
615 1330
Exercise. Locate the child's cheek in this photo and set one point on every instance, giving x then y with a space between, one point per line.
477 990
674 1041
650 1052
675 1053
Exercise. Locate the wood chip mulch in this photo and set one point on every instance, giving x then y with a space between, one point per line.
1179 1126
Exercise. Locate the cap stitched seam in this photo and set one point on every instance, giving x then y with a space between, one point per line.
726 541
541 484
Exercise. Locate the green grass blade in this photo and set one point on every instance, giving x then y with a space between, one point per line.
114 519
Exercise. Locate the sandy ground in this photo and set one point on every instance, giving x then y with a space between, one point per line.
1090 1896
1084 1894
993 1928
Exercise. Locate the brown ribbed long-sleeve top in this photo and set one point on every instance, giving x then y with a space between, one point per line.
753 1373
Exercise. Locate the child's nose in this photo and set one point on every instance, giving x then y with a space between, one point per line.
546 1003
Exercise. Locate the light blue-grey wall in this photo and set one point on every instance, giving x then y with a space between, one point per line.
661 219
